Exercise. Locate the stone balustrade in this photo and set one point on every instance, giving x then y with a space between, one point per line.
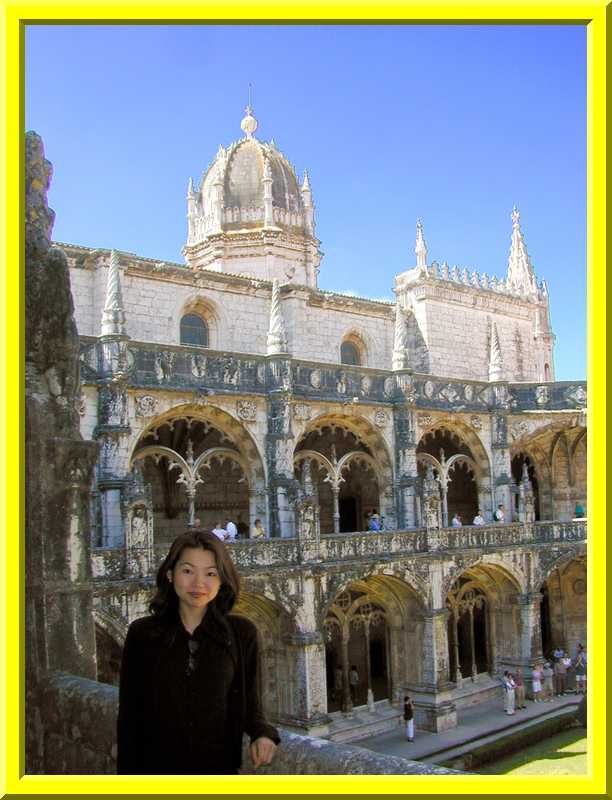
201 370
79 718
109 563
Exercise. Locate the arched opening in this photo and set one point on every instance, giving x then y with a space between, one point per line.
546 372
483 630
374 625
202 468
461 479
563 608
349 353
346 475
108 657
194 331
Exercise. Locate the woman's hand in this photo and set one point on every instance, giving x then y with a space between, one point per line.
262 751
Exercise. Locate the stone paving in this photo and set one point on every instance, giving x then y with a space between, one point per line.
473 722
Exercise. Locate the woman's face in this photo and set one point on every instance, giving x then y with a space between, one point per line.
195 578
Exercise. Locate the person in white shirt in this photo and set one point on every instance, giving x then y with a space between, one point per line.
499 514
478 519
456 521
220 532
232 530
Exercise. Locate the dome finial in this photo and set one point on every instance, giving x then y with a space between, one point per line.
249 123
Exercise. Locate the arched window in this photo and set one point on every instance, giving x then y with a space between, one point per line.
546 372
194 331
349 354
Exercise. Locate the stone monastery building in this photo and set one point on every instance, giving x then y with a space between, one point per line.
232 385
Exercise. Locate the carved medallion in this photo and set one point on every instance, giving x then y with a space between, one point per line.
578 396
468 392
579 586
366 384
476 423
246 410
428 389
381 418
449 393
542 395
424 420
316 379
146 405
301 411
198 366
389 386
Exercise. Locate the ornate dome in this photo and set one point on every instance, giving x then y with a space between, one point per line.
249 185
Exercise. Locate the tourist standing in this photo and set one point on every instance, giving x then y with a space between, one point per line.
409 718
547 691
232 530
499 515
508 689
519 689
580 667
560 671
456 521
219 532
374 521
258 530
353 682
478 519
536 677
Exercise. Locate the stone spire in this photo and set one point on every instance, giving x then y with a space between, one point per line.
400 341
308 206
521 277
113 316
495 356
421 246
277 335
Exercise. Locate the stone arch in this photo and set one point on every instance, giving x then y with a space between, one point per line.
278 673
335 443
562 478
562 582
462 466
210 312
199 460
484 624
386 658
110 633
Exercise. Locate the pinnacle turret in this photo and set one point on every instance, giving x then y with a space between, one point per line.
521 277
277 335
113 316
421 246
495 356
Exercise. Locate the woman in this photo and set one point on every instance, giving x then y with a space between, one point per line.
188 686
409 718
258 530
536 685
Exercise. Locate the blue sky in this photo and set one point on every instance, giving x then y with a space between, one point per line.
452 124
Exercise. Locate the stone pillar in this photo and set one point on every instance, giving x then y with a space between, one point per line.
435 710
472 643
279 452
405 465
347 703
335 487
307 654
458 676
370 694
531 635
502 472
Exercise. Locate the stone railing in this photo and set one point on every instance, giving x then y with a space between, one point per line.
109 564
200 370
79 718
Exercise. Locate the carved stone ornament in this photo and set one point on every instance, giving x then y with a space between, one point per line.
449 393
341 385
542 395
316 379
424 420
428 389
366 384
476 422
198 366
246 410
146 405
519 429
381 418
389 386
410 395
261 373
578 396
80 404
301 411
468 392
579 586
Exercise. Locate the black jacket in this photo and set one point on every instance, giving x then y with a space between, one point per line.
177 721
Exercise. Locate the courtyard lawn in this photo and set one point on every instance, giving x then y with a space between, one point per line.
562 754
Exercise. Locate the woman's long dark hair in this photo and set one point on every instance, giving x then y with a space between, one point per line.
165 603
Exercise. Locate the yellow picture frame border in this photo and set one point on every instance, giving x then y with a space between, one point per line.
15 15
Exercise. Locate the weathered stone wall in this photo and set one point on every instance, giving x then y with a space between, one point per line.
59 464
80 735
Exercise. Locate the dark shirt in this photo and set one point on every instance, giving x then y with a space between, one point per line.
408 711
175 720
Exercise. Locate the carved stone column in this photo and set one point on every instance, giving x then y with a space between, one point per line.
279 452
502 471
306 652
405 466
